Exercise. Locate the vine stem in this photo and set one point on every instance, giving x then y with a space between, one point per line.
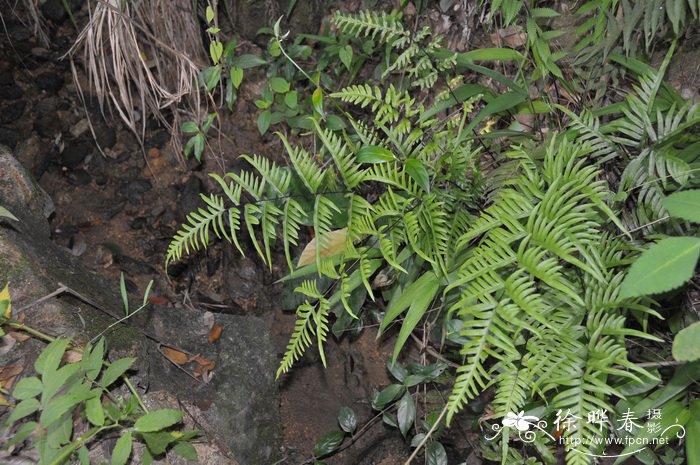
427 436
73 446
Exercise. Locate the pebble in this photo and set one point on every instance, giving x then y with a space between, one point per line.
10 92
50 82
12 112
139 222
80 128
138 187
78 177
74 155
105 136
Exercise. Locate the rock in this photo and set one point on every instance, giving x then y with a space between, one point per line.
138 187
240 405
48 125
50 82
189 199
79 128
12 112
159 139
79 177
20 194
10 92
74 155
9 137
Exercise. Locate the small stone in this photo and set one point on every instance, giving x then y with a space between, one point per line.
139 222
153 152
47 125
12 112
122 157
74 155
50 82
79 177
9 137
55 11
138 187
10 92
105 136
80 128
159 139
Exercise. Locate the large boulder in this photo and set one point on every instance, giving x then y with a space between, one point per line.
238 405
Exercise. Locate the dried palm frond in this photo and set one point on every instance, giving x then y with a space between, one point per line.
141 56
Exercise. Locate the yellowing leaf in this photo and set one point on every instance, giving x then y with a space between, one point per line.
6 302
334 244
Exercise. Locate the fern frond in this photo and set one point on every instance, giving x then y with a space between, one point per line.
195 231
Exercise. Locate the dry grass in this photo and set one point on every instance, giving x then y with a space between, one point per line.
141 57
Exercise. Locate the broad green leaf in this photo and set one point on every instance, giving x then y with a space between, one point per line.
291 99
493 54
186 451
84 456
406 413
51 356
347 419
189 127
122 450
22 433
345 55
21 410
419 304
115 370
436 453
374 154
686 345
397 370
684 205
158 442
279 85
236 74
198 146
157 420
692 441
328 443
248 61
27 388
5 213
665 266
94 411
264 121
417 171
673 417
92 360
63 378
387 395
62 404
209 14
334 122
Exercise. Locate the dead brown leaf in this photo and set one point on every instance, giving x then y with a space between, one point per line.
215 333
175 356
334 243
208 364
8 374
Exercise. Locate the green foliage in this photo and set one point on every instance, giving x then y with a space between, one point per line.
522 279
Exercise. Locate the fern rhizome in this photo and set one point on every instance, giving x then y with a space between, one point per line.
530 272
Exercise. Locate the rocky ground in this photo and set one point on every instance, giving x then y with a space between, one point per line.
116 206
